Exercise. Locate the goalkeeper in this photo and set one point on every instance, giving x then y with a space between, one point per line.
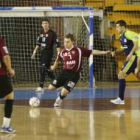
45 42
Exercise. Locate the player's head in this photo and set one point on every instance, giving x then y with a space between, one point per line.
120 26
45 24
68 41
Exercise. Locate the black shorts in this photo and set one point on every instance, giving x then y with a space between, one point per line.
5 86
67 79
46 60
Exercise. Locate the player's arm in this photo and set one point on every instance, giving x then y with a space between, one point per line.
132 51
134 37
34 52
7 61
58 50
117 52
98 52
55 65
137 69
56 42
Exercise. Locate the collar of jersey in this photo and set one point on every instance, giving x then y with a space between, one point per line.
70 48
124 31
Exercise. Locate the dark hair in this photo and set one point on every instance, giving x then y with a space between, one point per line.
45 19
70 36
121 23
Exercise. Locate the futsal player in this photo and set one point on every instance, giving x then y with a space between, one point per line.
46 40
6 90
72 62
129 43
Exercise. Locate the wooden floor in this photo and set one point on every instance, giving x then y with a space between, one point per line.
78 119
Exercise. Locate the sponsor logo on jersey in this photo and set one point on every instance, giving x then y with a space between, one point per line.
73 52
125 40
125 46
70 62
136 37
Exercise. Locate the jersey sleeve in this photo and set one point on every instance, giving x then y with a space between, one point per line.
85 52
138 50
131 35
56 40
59 56
3 49
38 40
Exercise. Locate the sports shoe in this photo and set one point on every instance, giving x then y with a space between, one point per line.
118 101
8 130
58 102
39 89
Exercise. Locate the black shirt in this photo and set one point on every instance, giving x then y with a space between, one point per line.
46 41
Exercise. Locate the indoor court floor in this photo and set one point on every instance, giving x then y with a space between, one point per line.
86 114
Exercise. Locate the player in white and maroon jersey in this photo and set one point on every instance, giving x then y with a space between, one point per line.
72 57
6 89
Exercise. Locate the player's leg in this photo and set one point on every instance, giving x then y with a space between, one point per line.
122 85
71 80
137 69
48 64
7 91
42 73
126 70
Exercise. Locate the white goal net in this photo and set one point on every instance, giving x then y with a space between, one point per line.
20 28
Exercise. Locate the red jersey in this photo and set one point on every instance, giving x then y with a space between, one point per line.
73 58
3 52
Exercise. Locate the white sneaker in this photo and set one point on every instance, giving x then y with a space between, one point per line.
8 130
118 101
39 89
58 102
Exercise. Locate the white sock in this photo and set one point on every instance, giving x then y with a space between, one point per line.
6 122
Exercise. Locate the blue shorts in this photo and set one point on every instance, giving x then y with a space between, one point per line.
129 66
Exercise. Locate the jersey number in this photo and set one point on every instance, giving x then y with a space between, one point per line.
70 56
43 39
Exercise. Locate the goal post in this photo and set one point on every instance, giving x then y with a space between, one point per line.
12 13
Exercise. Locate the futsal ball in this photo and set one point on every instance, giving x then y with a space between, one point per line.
34 102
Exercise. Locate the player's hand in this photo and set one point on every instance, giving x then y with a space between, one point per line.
113 54
107 52
52 68
128 57
12 72
33 56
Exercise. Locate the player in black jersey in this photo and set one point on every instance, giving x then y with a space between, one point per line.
46 40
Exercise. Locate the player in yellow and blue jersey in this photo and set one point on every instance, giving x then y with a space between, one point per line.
129 43
137 70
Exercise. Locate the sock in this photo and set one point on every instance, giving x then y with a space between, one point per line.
8 108
6 122
121 88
